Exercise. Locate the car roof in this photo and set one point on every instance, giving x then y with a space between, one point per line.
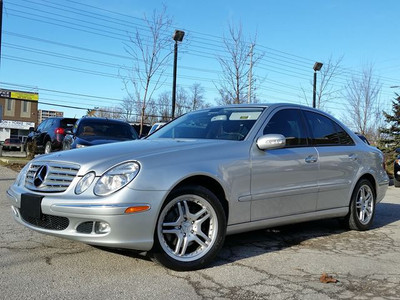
105 120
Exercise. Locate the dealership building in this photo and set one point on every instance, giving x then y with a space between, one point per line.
18 112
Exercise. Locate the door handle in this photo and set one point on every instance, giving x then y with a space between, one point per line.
353 157
311 159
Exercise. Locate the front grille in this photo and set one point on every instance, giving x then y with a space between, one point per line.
57 178
47 221
86 227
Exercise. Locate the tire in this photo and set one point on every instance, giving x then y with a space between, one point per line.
396 182
190 229
47 148
29 148
66 146
362 206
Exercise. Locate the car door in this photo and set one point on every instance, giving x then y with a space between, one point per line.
39 134
284 181
338 160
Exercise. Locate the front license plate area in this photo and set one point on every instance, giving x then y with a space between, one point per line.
31 205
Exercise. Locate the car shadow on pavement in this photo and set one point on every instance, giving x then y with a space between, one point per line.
252 244
385 214
255 243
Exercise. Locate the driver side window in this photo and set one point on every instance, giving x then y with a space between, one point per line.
289 123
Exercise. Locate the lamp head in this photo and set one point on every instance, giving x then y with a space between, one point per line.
178 35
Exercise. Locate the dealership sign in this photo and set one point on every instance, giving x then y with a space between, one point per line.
16 124
19 95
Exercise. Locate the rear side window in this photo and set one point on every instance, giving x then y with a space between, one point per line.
325 131
344 137
289 123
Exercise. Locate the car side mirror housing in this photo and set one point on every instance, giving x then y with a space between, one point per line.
271 141
397 150
31 129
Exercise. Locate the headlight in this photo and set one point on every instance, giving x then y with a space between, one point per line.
80 146
116 178
21 176
84 183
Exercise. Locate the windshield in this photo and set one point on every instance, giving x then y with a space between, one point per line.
218 123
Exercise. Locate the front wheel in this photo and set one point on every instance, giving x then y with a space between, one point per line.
362 206
190 229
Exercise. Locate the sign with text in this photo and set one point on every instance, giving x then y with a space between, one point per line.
19 95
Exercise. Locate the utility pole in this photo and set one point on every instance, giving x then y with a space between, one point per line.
250 73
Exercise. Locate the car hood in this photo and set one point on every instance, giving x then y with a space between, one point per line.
102 157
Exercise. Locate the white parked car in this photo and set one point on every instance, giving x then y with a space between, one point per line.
206 174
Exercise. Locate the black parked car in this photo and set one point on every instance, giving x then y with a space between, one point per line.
96 131
49 135
12 144
396 172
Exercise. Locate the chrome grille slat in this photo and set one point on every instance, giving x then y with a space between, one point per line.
58 179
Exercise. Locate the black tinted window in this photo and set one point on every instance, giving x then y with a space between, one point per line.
344 137
67 123
288 122
42 125
322 128
106 129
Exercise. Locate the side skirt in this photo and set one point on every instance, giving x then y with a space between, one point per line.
260 224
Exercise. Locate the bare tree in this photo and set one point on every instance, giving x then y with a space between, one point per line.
164 106
235 80
112 112
128 110
197 97
362 94
182 101
326 90
150 51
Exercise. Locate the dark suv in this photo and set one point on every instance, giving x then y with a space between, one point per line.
90 131
396 169
49 135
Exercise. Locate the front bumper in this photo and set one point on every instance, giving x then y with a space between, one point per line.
76 219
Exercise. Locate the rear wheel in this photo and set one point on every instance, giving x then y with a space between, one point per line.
190 229
396 182
66 146
47 147
362 206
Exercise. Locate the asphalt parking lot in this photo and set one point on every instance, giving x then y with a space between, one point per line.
280 263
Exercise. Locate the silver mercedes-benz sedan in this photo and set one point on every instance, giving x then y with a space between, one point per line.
218 171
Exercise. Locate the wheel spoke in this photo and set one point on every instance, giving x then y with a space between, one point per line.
201 221
179 220
199 214
184 246
171 231
203 235
200 242
178 244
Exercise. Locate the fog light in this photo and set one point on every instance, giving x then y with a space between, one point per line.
102 227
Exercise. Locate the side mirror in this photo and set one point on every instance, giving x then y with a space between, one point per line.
271 141
31 129
398 150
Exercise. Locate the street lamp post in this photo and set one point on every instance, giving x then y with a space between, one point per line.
177 37
317 67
